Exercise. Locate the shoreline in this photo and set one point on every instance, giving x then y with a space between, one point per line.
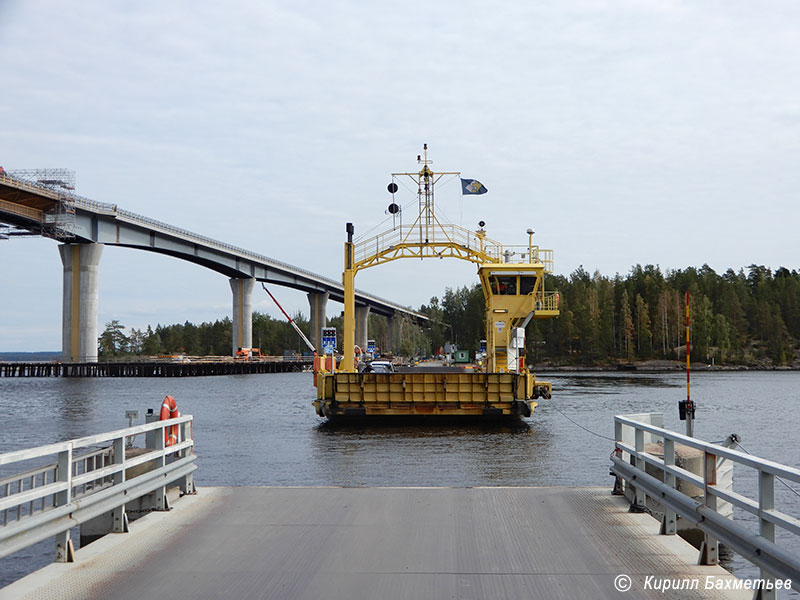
660 366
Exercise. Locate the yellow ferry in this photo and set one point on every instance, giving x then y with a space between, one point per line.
513 282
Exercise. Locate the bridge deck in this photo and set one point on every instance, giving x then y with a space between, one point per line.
379 543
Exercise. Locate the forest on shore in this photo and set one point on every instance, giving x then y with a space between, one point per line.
749 317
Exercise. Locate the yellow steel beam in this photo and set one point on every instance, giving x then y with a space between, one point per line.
22 210
349 326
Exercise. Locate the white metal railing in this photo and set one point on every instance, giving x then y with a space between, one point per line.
629 463
48 501
42 476
93 205
519 254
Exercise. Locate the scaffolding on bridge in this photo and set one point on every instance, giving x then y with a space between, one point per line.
59 222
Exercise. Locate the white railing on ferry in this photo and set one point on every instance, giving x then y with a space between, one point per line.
37 504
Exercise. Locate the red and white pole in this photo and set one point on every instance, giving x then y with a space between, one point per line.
689 405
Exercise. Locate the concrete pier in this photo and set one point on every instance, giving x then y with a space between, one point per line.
391 324
242 289
362 326
80 299
318 303
387 543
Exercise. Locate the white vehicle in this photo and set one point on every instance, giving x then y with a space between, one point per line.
379 366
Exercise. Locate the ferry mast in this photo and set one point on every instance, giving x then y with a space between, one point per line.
512 276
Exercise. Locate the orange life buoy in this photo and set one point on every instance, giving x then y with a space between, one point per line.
169 410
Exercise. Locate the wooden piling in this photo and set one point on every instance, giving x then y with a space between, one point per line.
203 368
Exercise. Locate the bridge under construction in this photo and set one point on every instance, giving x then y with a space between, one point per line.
43 202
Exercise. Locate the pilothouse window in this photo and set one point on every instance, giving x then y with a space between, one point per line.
526 284
504 286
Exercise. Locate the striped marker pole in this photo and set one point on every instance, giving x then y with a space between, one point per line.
689 407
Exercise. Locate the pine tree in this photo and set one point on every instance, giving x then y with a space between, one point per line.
152 344
626 322
113 342
642 326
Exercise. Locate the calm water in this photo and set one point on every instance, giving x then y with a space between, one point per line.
262 430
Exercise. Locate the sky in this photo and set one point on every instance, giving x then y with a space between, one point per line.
624 132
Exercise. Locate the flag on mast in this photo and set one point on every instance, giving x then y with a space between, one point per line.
472 186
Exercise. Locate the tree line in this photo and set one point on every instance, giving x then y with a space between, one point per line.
749 317
745 317
272 336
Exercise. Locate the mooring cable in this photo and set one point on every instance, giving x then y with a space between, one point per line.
605 437
794 491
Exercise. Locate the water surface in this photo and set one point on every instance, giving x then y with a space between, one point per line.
262 430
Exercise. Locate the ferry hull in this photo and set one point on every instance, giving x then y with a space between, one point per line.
483 396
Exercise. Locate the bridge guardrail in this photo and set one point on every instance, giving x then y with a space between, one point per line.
31 186
629 463
75 489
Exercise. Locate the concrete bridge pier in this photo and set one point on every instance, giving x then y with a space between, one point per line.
242 289
318 301
80 299
362 325
391 324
